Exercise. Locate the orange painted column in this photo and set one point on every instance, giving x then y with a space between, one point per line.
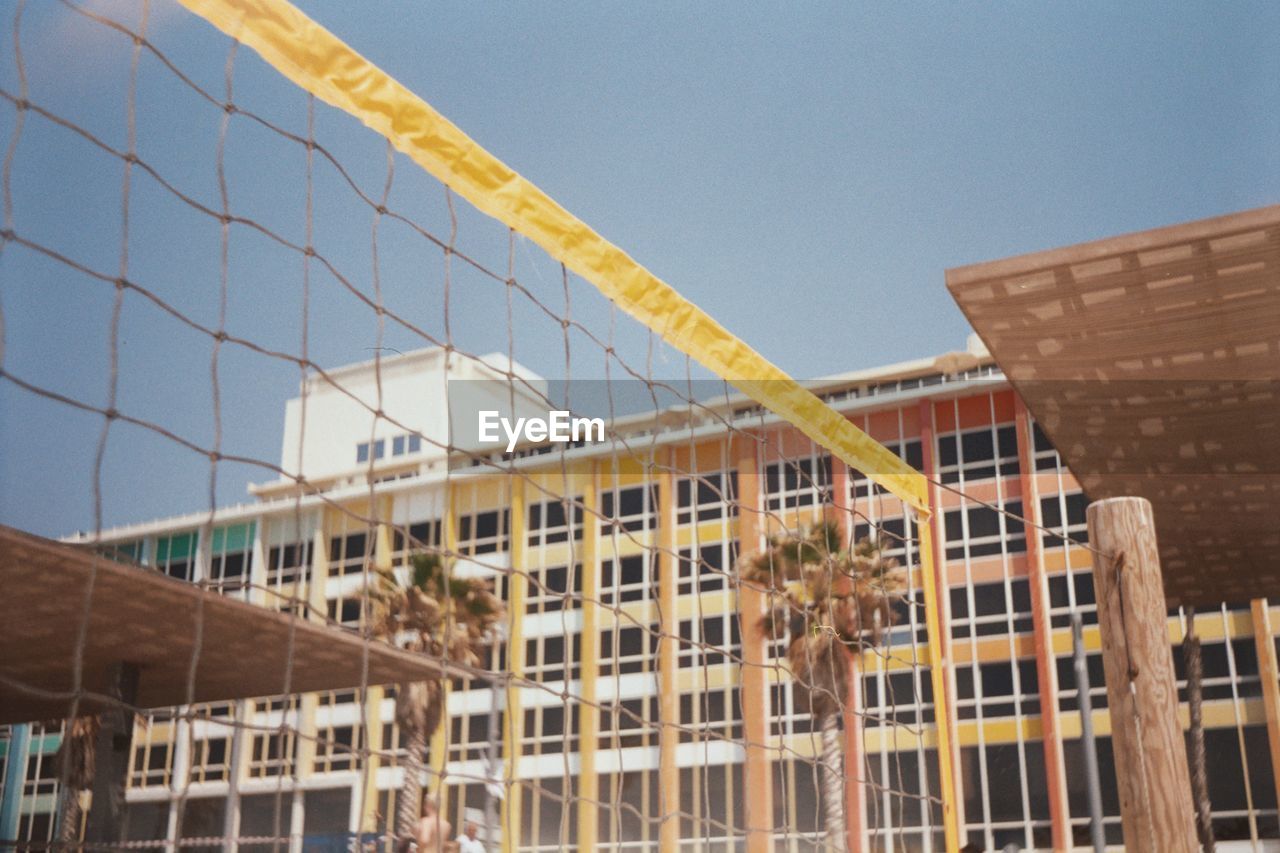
1046 668
942 590
755 686
855 796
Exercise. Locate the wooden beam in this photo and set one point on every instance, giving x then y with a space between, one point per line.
1264 639
755 687
1046 666
1142 697
668 663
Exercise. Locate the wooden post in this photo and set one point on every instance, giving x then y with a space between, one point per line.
107 821
1150 754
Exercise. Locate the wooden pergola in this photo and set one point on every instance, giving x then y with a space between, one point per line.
1152 363
86 633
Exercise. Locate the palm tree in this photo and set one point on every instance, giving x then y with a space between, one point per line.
834 600
75 773
424 609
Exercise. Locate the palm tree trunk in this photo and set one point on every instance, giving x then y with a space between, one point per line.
833 783
70 817
409 800
1195 706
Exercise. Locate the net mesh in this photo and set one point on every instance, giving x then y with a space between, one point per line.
193 237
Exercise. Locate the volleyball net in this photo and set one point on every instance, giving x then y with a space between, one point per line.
706 618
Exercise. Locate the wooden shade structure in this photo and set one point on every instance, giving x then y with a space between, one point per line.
1152 362
188 644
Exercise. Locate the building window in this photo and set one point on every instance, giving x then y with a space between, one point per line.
348 553
705 716
910 451
548 523
42 774
126 552
544 658
978 454
470 738
484 532
345 611
274 748
1052 510
707 497
230 554
211 760
633 509
624 580
711 567
289 563
175 555
547 732
895 536
629 722
1046 456
991 609
636 650
708 641
795 483
337 748
979 531
273 754
549 589
377 449
152 760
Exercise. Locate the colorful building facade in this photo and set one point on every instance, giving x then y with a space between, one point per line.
627 597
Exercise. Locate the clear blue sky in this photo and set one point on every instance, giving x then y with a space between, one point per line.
805 173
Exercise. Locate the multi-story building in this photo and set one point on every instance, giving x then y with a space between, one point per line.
701 486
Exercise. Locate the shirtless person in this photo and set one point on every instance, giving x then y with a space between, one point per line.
433 831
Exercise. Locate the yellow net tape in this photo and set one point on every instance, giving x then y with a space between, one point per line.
322 64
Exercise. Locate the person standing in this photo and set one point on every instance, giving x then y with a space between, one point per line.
468 842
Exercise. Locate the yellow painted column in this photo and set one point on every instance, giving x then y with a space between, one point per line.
319 575
668 661
588 715
513 731
1264 640
440 738
372 712
937 666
